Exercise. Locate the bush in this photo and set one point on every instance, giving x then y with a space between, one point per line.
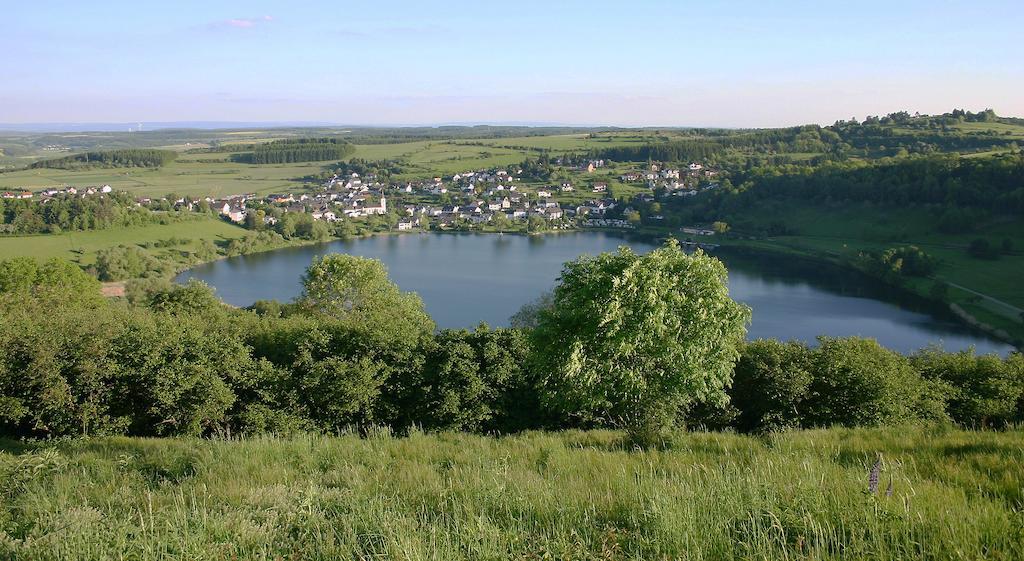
770 385
475 381
126 262
981 390
980 248
857 382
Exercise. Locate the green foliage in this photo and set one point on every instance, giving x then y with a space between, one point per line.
963 183
858 383
179 369
897 262
625 340
631 338
981 390
476 381
126 262
27 276
64 213
356 292
771 382
254 242
293 225
129 158
980 248
297 150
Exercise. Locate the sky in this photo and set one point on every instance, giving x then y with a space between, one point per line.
388 62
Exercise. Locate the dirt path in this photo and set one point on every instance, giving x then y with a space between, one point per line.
1015 311
112 289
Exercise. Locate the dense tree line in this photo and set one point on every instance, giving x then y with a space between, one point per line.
959 189
128 158
66 212
638 342
895 134
715 144
297 150
995 183
856 382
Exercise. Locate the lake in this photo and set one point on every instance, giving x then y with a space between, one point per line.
465 279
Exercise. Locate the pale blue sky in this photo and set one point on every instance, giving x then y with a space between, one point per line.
642 62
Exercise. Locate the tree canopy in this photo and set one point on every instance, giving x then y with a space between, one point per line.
631 338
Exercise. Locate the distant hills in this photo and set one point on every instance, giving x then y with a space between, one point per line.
151 126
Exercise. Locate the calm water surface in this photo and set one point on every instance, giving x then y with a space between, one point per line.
465 279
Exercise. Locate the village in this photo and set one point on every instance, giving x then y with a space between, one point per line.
478 197
487 198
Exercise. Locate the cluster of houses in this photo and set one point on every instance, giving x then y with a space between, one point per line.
50 193
482 196
676 182
341 199
16 195
588 166
476 197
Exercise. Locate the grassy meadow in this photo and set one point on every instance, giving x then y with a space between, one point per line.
81 247
570 495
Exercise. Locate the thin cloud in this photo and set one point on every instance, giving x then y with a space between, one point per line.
242 23
393 31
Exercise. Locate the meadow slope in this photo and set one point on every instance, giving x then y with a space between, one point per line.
571 495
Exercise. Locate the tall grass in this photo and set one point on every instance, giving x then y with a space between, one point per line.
569 495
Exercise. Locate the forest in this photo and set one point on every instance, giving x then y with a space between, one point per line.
995 183
896 134
296 150
130 158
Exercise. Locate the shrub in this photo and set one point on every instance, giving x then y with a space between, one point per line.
982 390
770 384
857 382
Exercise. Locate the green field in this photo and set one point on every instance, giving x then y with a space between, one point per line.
184 177
572 495
215 175
81 247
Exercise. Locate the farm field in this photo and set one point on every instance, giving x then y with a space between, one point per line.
186 177
214 175
569 495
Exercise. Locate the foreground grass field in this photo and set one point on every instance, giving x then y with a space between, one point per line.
573 495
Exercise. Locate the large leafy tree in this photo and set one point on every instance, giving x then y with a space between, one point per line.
357 291
631 338
363 316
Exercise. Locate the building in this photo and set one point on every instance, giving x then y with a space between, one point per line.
697 231
16 195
